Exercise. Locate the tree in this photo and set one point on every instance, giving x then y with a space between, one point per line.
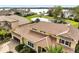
17 13
57 12
56 49
76 12
50 12
2 34
41 14
77 48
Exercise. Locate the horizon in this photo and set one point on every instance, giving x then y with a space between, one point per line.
37 5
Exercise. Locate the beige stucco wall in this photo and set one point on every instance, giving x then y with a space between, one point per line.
45 44
50 41
66 48
73 45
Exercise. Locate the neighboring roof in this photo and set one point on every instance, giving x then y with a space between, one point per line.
73 33
5 18
4 12
21 20
12 18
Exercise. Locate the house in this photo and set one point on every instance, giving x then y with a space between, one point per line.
6 12
13 20
40 35
68 13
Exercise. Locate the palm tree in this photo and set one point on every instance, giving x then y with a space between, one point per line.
56 49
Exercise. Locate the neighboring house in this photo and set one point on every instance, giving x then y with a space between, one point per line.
6 12
43 34
13 11
13 21
68 13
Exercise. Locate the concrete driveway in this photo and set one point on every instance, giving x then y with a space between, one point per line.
9 46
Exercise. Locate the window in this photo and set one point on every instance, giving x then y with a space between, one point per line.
40 49
61 41
30 44
68 43
43 50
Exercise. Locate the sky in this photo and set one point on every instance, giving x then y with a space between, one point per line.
38 2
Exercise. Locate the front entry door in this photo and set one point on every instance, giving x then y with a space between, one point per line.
41 50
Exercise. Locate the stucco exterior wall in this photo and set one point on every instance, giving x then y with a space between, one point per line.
67 49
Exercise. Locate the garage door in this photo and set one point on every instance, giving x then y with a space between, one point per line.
16 39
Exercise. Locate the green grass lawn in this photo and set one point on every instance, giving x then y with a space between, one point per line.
33 16
73 23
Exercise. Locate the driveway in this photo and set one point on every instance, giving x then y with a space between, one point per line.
4 48
9 46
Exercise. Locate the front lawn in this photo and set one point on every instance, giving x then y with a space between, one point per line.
73 23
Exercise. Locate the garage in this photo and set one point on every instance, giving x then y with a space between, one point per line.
16 39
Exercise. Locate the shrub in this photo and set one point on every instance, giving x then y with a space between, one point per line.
19 47
22 48
56 49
